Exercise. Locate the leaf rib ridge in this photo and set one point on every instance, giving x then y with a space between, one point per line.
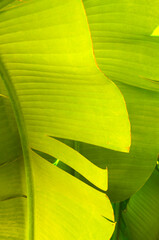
24 142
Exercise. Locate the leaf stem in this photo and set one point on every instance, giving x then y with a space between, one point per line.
117 213
24 142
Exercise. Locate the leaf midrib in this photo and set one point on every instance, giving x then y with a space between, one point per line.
25 147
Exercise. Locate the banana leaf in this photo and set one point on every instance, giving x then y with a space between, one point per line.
51 86
141 216
126 47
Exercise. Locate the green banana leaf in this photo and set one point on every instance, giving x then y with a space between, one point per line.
141 216
127 51
49 78
59 50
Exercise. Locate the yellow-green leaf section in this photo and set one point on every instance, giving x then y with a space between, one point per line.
74 209
60 200
47 51
72 158
55 88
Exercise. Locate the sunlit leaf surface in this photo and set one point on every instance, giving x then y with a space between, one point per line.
49 78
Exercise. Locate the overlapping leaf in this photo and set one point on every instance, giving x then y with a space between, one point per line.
128 53
141 216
